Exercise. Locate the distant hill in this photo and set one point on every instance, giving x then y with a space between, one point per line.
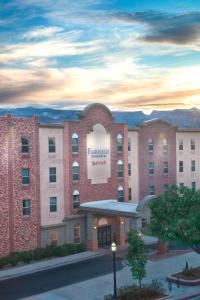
187 118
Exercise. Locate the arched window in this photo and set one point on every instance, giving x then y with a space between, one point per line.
74 143
119 143
25 145
75 171
76 199
120 194
77 233
120 169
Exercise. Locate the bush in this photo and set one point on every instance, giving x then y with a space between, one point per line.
39 253
157 286
13 258
26 256
148 291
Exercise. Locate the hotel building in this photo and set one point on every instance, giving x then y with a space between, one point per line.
87 180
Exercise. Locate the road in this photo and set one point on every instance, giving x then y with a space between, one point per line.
44 281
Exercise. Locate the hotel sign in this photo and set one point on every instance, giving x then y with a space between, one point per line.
98 155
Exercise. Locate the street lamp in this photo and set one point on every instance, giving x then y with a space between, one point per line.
114 249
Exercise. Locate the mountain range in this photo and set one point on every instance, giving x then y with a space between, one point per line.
185 118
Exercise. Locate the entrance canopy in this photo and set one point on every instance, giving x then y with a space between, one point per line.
111 207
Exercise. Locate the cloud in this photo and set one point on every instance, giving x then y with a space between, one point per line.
49 48
41 32
180 29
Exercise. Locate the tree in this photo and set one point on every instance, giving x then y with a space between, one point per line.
137 256
175 216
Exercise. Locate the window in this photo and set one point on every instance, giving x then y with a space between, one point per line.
25 176
165 168
75 171
165 188
144 222
26 207
151 190
119 143
120 194
192 165
129 169
165 146
150 145
76 199
25 145
151 168
53 204
192 144
52 145
120 169
74 143
77 236
180 166
193 186
53 238
52 174
181 185
129 194
129 144
180 144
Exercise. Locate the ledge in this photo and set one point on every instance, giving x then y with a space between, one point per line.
184 282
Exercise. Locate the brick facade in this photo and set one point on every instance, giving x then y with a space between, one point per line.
90 192
158 131
18 232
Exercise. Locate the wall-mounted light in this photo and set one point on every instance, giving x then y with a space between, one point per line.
122 222
95 227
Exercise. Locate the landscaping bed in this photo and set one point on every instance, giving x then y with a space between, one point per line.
189 274
147 292
188 277
26 257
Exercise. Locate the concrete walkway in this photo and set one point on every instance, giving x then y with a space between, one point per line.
46 265
96 288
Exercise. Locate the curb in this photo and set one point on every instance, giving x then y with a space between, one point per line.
182 281
50 264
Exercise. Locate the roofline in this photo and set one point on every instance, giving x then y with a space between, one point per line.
51 125
146 123
88 107
188 129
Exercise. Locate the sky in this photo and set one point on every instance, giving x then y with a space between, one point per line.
127 54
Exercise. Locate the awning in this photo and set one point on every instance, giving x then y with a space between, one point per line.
111 207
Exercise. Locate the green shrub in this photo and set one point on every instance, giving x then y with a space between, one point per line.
13 258
3 262
26 256
81 247
39 253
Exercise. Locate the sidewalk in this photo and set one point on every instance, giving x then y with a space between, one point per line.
46 264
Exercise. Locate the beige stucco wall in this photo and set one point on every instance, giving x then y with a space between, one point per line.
187 177
47 189
133 159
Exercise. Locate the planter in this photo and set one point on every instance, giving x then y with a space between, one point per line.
185 282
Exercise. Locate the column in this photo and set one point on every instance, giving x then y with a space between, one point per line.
92 242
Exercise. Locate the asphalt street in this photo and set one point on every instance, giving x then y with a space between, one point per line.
44 281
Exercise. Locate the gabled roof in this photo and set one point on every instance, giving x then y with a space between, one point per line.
156 120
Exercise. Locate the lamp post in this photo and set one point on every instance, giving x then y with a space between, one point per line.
114 249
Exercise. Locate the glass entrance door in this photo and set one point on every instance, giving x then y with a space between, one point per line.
104 236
